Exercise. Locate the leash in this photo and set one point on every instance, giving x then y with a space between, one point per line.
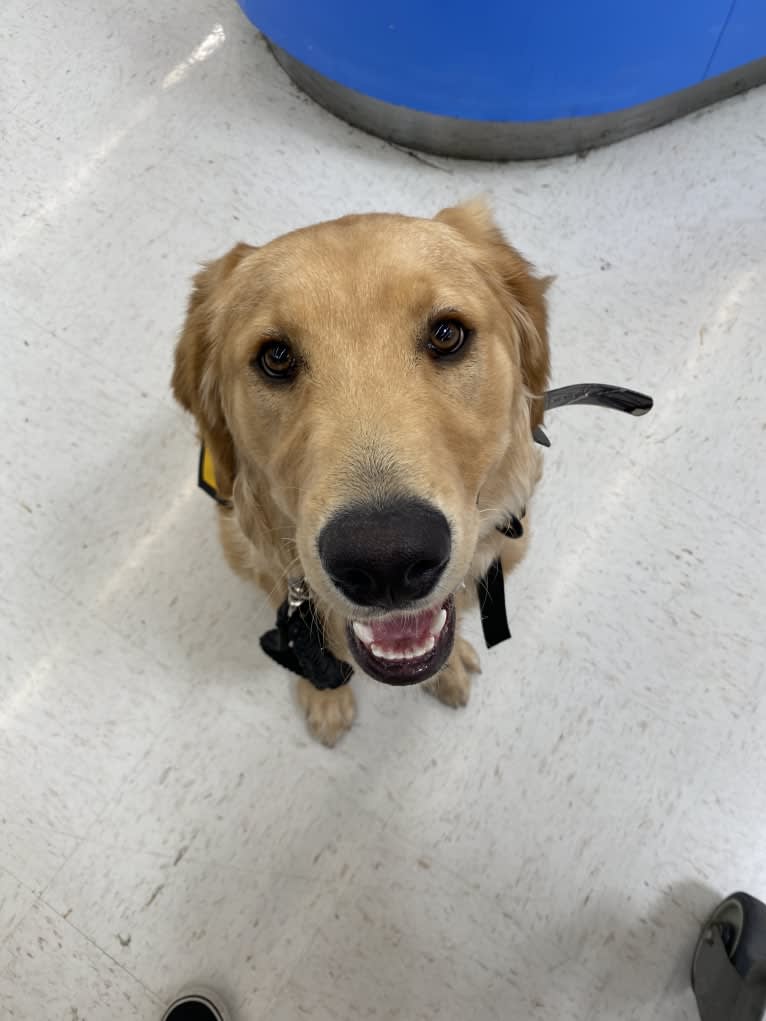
298 640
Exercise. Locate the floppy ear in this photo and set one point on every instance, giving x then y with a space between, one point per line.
524 293
196 383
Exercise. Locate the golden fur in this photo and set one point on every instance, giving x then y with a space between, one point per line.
368 413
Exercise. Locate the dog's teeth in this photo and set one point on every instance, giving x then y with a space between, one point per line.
439 621
424 648
400 655
363 632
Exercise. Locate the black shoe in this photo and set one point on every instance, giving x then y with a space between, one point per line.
196 1005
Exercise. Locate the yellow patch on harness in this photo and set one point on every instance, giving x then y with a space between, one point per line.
206 476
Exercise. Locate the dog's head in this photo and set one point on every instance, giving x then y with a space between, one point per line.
367 389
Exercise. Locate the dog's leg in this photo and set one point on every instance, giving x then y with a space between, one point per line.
329 714
452 685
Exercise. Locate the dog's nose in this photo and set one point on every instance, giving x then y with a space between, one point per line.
386 556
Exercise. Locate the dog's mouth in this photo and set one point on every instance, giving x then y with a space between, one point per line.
404 648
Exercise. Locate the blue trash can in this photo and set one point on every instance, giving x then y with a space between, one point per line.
506 80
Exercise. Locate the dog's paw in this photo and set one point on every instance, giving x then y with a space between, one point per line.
329 714
452 685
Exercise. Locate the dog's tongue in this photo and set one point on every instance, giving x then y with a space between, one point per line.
410 628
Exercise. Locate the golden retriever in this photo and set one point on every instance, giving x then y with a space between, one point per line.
367 389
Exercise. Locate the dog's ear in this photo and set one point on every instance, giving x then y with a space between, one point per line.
196 382
518 282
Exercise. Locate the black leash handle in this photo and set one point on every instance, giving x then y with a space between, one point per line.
603 395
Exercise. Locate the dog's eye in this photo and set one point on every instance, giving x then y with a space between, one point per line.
277 360
446 337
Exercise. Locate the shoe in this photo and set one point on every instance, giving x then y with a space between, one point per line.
197 1005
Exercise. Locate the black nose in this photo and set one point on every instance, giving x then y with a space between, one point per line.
386 556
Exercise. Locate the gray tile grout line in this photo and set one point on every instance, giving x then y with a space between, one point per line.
5 940
101 950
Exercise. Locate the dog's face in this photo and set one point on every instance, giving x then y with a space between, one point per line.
366 388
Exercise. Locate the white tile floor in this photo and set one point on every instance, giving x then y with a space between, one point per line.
549 852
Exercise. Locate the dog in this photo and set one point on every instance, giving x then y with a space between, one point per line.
367 390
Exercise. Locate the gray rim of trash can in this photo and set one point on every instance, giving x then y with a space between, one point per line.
510 140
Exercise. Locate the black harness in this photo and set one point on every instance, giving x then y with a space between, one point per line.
298 643
298 640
